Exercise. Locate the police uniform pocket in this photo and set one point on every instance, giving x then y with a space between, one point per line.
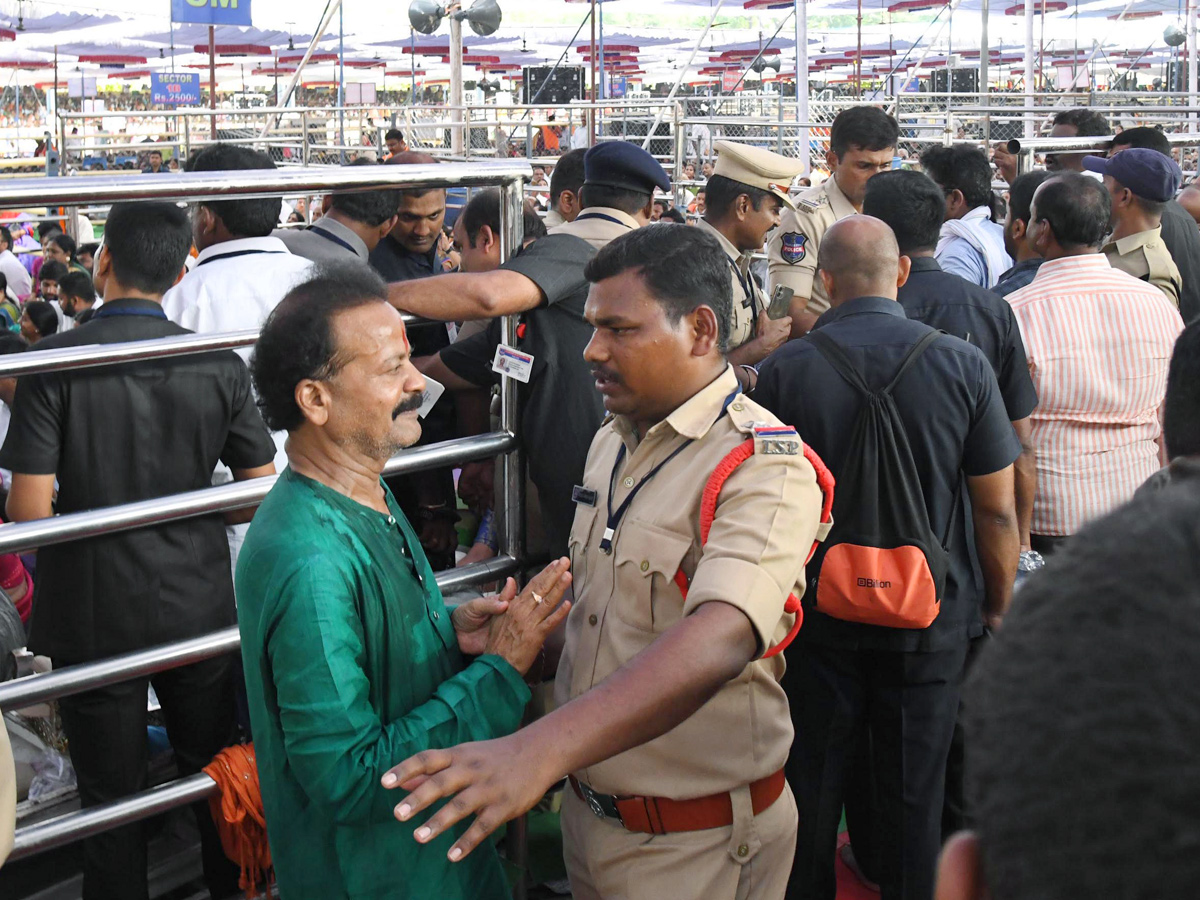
647 558
581 536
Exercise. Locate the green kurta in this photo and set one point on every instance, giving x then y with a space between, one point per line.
351 667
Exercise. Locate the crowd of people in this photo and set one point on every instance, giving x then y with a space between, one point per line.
891 541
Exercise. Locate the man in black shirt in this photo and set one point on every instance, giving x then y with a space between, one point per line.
912 205
901 683
1026 258
560 407
1179 231
120 434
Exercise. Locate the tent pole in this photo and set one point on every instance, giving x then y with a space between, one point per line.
1193 64
341 92
212 80
858 60
1029 68
802 81
985 53
592 111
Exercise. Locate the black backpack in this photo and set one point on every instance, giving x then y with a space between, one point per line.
882 564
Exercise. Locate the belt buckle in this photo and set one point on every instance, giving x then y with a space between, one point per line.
592 799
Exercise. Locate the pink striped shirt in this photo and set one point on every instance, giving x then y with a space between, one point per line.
1099 342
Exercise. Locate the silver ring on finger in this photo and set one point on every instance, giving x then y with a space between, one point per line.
537 598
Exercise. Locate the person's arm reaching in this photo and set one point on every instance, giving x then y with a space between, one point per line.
242 516
30 497
1025 475
335 742
433 367
686 666
461 297
997 543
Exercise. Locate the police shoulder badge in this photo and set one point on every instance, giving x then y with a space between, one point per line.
792 247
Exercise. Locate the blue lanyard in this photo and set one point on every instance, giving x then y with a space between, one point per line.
606 218
107 311
614 518
330 236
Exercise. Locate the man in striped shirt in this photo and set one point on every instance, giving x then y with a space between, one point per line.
1098 342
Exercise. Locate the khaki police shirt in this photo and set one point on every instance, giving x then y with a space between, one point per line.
1145 256
793 246
748 302
766 521
598 225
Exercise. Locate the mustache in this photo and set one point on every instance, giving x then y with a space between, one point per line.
606 373
412 404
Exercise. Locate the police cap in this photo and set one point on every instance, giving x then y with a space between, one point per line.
625 166
757 168
1147 173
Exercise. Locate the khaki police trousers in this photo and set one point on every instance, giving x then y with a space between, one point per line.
750 860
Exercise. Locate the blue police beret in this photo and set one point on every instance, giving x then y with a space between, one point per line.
1147 173
620 164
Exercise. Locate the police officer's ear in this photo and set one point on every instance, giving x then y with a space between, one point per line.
831 160
567 204
960 870
706 334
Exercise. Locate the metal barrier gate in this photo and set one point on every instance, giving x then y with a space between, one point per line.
23 692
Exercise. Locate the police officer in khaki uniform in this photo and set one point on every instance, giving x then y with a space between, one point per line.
1140 182
862 143
672 723
747 189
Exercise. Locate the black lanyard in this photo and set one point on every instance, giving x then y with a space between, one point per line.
614 519
606 218
330 236
107 311
748 289
215 257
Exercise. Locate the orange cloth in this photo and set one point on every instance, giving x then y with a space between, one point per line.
238 812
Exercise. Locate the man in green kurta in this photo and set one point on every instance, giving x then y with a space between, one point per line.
352 660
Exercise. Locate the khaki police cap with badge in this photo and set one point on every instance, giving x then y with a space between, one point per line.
758 168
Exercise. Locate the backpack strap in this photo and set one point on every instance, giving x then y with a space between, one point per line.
836 357
708 512
840 360
913 355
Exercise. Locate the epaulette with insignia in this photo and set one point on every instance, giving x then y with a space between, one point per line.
777 440
813 203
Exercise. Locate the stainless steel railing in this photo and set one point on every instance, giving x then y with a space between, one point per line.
508 174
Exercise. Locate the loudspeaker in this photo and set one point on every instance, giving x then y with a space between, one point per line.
551 87
955 81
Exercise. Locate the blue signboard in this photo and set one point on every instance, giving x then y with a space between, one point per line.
171 89
211 12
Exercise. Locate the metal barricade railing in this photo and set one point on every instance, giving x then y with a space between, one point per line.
1027 149
73 192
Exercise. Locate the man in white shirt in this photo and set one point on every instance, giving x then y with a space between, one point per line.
19 280
971 244
241 274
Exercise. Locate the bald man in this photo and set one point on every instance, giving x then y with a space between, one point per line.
847 678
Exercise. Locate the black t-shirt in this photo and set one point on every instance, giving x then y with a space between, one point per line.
1182 238
954 305
119 434
956 426
560 407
